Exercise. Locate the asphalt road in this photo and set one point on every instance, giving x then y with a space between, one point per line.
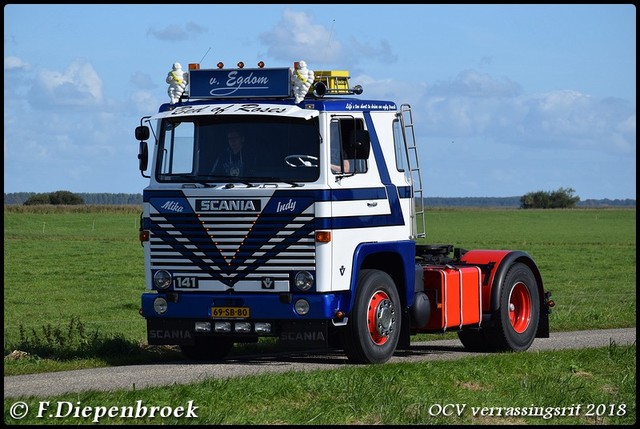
141 376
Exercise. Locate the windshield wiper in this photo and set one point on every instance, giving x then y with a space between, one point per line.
276 179
205 180
231 179
189 178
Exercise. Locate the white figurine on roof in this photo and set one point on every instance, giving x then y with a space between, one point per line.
177 80
301 80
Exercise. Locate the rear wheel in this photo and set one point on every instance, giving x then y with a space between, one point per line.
519 309
516 320
373 330
474 340
207 348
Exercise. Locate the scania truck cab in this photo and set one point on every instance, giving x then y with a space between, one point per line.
312 232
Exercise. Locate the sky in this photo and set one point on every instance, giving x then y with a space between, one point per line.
506 99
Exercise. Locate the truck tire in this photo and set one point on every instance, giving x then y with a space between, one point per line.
373 330
207 349
515 322
474 340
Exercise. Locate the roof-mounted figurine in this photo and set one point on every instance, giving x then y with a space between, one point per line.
177 80
301 80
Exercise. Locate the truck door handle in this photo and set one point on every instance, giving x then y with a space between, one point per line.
372 204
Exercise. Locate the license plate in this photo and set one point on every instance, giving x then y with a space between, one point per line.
230 312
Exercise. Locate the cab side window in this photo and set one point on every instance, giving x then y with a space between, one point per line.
341 161
400 147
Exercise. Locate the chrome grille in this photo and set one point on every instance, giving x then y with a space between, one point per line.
231 246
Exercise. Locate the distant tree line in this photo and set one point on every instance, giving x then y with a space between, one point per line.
606 202
562 198
501 202
66 197
112 199
472 202
55 198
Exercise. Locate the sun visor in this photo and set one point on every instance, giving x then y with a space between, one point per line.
261 109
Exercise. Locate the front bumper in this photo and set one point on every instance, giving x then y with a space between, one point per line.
261 306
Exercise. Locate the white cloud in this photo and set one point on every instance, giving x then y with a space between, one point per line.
17 79
572 119
78 86
143 81
297 36
471 83
399 91
176 32
475 105
383 52
14 63
146 101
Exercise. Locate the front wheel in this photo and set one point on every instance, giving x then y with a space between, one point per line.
372 334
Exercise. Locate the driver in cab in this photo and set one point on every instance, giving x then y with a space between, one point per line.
234 159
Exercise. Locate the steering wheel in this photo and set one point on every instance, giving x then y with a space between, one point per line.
301 161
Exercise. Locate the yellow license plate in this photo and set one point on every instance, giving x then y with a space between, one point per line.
230 312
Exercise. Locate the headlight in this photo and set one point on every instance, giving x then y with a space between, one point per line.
162 279
304 280
160 305
302 307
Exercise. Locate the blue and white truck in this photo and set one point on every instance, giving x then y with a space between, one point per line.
315 233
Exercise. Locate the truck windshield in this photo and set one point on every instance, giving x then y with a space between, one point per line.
217 149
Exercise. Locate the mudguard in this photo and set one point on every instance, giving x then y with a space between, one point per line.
495 264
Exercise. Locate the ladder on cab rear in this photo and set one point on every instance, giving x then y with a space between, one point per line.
419 228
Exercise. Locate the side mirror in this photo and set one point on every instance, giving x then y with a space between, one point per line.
359 145
143 157
142 132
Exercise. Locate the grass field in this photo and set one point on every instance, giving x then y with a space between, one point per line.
74 276
587 257
73 281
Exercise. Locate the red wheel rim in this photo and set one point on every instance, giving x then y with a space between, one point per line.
520 308
380 317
